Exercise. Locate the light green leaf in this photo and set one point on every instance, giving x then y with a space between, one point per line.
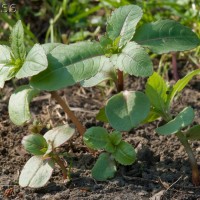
36 172
193 133
69 64
115 137
101 116
122 23
17 41
156 90
183 119
105 168
5 66
166 36
35 144
96 138
180 84
107 72
19 104
133 60
152 116
125 153
35 62
127 110
58 136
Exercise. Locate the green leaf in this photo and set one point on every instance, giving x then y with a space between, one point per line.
58 136
125 153
166 36
180 84
183 119
127 109
104 168
193 133
156 90
133 60
101 116
19 104
36 172
110 147
122 23
5 64
107 72
35 144
17 41
35 62
115 137
152 116
96 138
69 64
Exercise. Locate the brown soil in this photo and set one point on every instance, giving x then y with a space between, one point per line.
162 170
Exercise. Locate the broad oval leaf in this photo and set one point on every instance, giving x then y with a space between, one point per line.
180 84
69 64
122 23
17 41
19 104
125 153
165 36
105 168
156 90
96 138
127 110
133 60
35 144
36 172
58 136
193 133
35 62
183 119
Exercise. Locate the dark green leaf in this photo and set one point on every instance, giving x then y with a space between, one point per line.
96 138
69 64
183 119
104 168
166 36
35 144
127 110
193 133
101 116
125 153
115 137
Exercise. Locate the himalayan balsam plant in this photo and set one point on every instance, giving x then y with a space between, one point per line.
53 66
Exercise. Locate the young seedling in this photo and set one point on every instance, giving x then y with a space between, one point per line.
39 168
124 111
116 151
161 96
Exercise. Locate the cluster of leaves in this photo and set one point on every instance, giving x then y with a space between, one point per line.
116 150
38 169
53 66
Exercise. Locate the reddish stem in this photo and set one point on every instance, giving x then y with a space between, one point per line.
65 107
174 67
120 81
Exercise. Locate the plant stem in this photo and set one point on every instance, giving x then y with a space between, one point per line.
65 107
120 81
193 162
174 66
61 164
